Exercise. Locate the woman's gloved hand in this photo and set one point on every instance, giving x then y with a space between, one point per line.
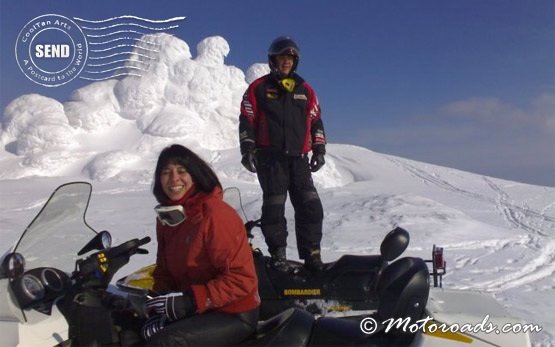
152 326
172 306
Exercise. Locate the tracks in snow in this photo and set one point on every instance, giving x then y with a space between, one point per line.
518 217
537 263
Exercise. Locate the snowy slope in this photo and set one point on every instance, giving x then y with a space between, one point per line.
499 236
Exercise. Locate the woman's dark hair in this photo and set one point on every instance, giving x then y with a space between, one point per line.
203 176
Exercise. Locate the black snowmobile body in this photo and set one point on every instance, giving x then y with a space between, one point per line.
347 284
401 291
343 285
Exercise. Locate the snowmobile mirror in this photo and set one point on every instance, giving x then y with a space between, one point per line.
100 241
13 265
394 243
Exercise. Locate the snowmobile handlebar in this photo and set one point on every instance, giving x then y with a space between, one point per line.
249 225
98 268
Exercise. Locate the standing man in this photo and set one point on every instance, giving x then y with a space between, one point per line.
279 124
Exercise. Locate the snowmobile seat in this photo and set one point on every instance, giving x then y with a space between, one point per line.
330 331
291 327
355 263
403 289
353 275
347 332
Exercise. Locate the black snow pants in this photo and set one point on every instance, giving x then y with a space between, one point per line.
278 174
207 329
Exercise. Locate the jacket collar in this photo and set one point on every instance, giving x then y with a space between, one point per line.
193 203
298 79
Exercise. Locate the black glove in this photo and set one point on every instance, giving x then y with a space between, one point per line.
249 161
172 306
317 161
152 326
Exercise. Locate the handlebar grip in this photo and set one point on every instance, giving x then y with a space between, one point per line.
249 225
144 240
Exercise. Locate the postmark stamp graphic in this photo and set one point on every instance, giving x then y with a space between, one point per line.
51 50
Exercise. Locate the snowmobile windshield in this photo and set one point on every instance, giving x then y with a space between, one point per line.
232 196
59 230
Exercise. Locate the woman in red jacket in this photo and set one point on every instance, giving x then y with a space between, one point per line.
205 277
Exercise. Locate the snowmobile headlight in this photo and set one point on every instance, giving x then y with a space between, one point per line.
106 239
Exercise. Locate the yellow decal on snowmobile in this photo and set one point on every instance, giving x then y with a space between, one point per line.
448 335
102 262
340 308
141 278
302 291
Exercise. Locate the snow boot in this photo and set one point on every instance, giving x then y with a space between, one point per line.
278 260
314 261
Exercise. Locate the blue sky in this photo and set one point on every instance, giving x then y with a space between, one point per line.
467 84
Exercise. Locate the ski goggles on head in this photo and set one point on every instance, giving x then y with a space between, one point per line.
170 215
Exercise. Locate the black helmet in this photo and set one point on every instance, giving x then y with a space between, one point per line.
283 45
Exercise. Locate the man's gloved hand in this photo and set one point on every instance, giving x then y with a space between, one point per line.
317 160
249 161
172 306
152 326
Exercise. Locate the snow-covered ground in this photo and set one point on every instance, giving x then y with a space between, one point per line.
499 236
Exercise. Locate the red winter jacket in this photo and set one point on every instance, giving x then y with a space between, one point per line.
209 254
285 121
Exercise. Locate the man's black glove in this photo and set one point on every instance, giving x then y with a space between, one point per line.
173 306
317 160
249 161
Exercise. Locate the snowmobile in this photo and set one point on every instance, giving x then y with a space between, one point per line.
55 291
346 284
